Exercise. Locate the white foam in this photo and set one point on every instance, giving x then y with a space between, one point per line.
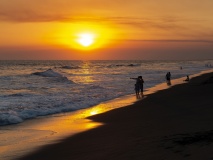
10 117
48 73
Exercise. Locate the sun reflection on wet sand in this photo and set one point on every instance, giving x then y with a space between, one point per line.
93 112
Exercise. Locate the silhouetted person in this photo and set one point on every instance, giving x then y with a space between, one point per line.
168 78
138 86
187 78
141 82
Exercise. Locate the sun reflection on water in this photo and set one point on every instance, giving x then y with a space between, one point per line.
87 78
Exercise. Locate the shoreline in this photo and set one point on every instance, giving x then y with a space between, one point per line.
19 139
54 128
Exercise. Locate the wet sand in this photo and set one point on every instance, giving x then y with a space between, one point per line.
175 123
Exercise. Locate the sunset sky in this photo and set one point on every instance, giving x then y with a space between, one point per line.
100 29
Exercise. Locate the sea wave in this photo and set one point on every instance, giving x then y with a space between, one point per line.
70 67
48 73
10 117
58 77
124 65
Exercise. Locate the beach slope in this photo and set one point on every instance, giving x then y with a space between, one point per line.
171 124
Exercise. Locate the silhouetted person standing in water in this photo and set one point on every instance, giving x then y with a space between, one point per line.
168 78
139 86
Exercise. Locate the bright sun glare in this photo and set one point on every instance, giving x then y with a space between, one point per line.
86 39
82 36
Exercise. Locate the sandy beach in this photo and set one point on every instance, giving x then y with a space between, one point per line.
175 123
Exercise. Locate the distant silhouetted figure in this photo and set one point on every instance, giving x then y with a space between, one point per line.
138 86
208 65
168 78
187 78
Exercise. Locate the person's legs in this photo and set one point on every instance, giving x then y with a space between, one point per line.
137 90
141 89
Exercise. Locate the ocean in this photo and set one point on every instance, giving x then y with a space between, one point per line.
38 88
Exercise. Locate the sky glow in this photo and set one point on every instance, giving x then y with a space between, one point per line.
122 29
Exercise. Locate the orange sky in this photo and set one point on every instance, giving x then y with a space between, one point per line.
120 29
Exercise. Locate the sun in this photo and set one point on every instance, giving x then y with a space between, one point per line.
85 39
82 36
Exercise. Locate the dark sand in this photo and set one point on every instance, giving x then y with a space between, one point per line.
172 124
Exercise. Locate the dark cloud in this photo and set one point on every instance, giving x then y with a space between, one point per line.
25 16
152 53
172 25
30 16
160 23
